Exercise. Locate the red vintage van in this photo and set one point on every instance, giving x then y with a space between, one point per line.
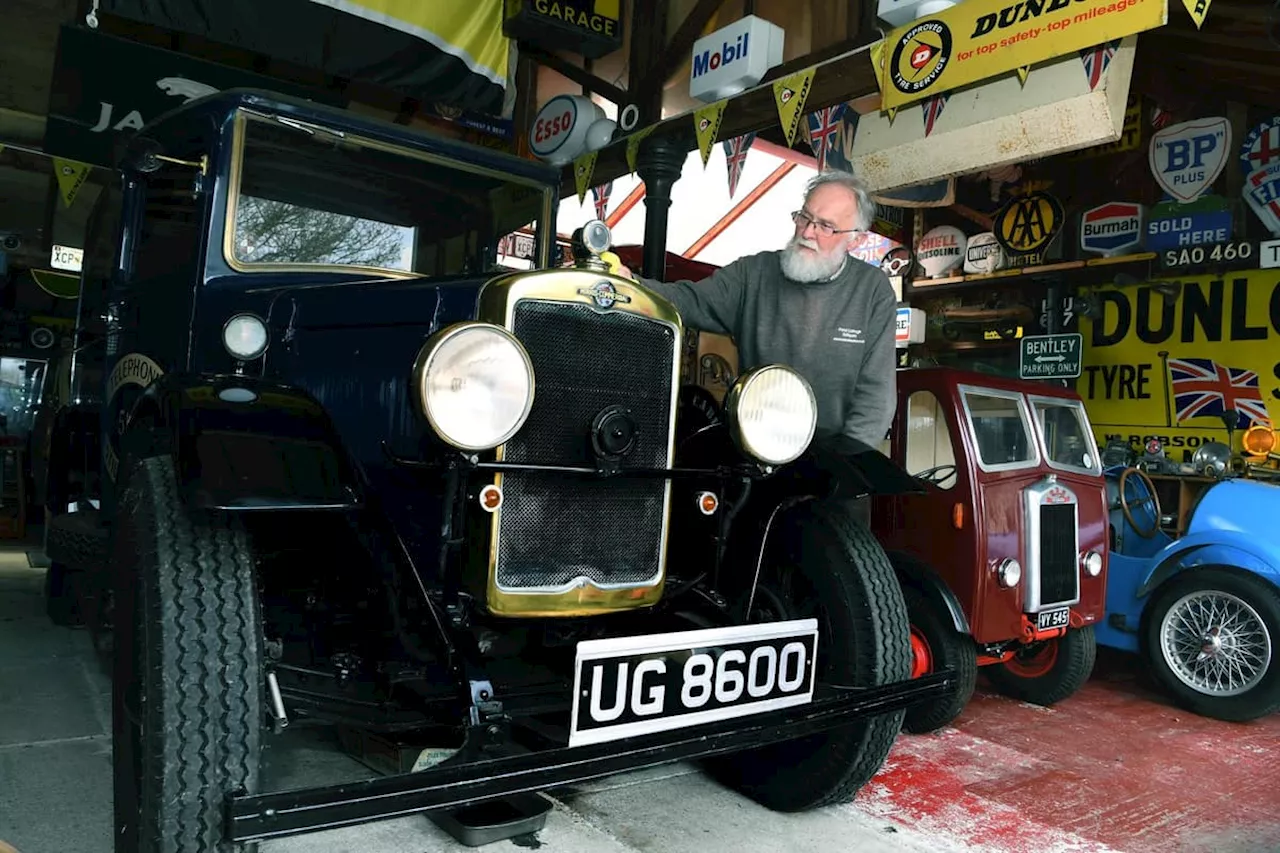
1003 558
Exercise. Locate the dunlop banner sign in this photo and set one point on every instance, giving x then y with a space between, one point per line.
1165 361
980 39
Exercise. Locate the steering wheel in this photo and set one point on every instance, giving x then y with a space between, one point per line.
1151 498
938 474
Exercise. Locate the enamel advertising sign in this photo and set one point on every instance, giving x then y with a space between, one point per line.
1187 158
1111 229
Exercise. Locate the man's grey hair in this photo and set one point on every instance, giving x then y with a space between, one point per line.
852 183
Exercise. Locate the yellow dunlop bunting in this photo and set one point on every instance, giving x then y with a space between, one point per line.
633 145
1199 10
789 95
71 176
1022 74
706 123
981 39
583 168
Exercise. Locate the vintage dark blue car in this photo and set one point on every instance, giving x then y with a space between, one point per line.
355 472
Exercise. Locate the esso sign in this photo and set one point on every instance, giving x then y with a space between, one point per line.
566 126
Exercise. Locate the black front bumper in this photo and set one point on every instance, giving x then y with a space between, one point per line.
451 785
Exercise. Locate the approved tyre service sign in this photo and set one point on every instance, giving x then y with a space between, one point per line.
630 686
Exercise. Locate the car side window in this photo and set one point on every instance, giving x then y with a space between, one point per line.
929 451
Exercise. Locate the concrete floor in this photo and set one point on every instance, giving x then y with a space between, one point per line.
1113 770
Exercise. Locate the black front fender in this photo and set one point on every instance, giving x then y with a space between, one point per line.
852 469
241 443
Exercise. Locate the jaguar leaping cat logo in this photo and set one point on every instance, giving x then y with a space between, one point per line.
183 88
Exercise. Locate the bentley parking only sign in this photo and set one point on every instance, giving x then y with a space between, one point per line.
1187 158
1051 356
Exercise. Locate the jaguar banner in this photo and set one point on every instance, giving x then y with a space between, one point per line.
981 39
1166 359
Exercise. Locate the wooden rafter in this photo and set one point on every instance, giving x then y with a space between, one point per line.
576 73
835 81
678 49
742 206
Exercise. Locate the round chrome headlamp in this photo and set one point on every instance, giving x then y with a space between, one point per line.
1008 572
772 414
475 384
245 337
1091 562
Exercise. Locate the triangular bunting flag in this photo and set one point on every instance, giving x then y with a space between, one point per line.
824 124
1022 74
735 155
877 63
601 195
789 95
892 112
1096 59
931 110
1198 9
633 145
583 168
706 124
71 176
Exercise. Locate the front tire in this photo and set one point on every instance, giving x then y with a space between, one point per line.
187 688
1047 672
830 567
1211 638
936 645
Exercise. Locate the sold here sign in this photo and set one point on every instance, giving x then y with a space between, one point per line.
980 39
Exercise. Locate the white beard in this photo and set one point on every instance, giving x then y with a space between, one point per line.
809 266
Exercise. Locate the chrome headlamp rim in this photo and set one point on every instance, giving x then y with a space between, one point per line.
422 361
266 335
734 397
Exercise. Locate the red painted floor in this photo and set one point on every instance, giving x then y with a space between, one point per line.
1116 768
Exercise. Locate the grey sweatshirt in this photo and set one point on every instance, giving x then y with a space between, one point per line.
838 334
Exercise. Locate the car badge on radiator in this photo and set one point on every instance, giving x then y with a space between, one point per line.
604 294
1056 495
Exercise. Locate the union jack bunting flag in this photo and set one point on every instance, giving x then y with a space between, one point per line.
823 126
932 111
1096 60
735 154
1204 388
601 195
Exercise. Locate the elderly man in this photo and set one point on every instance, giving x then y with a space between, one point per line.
812 307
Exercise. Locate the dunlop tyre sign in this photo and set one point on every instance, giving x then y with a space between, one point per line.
1165 366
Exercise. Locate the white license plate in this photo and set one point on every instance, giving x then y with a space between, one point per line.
626 686
1059 618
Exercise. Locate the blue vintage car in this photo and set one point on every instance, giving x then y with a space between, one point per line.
357 471
1203 608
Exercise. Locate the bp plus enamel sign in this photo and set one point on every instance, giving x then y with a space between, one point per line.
734 58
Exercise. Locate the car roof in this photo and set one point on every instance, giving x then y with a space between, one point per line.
216 106
945 376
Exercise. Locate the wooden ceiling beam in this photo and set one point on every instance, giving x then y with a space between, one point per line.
678 49
835 81
576 73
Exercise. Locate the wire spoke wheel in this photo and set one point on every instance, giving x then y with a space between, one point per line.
1215 642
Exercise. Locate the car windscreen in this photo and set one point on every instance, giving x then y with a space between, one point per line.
306 196
1065 433
998 424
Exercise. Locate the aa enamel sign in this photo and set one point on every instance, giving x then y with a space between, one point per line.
1112 228
1187 158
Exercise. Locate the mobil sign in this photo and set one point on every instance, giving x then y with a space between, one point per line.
1111 228
1187 158
734 58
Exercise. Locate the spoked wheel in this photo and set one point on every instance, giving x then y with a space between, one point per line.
186 693
822 564
1211 636
937 645
1048 671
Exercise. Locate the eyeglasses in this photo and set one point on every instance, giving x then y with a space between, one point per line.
826 229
